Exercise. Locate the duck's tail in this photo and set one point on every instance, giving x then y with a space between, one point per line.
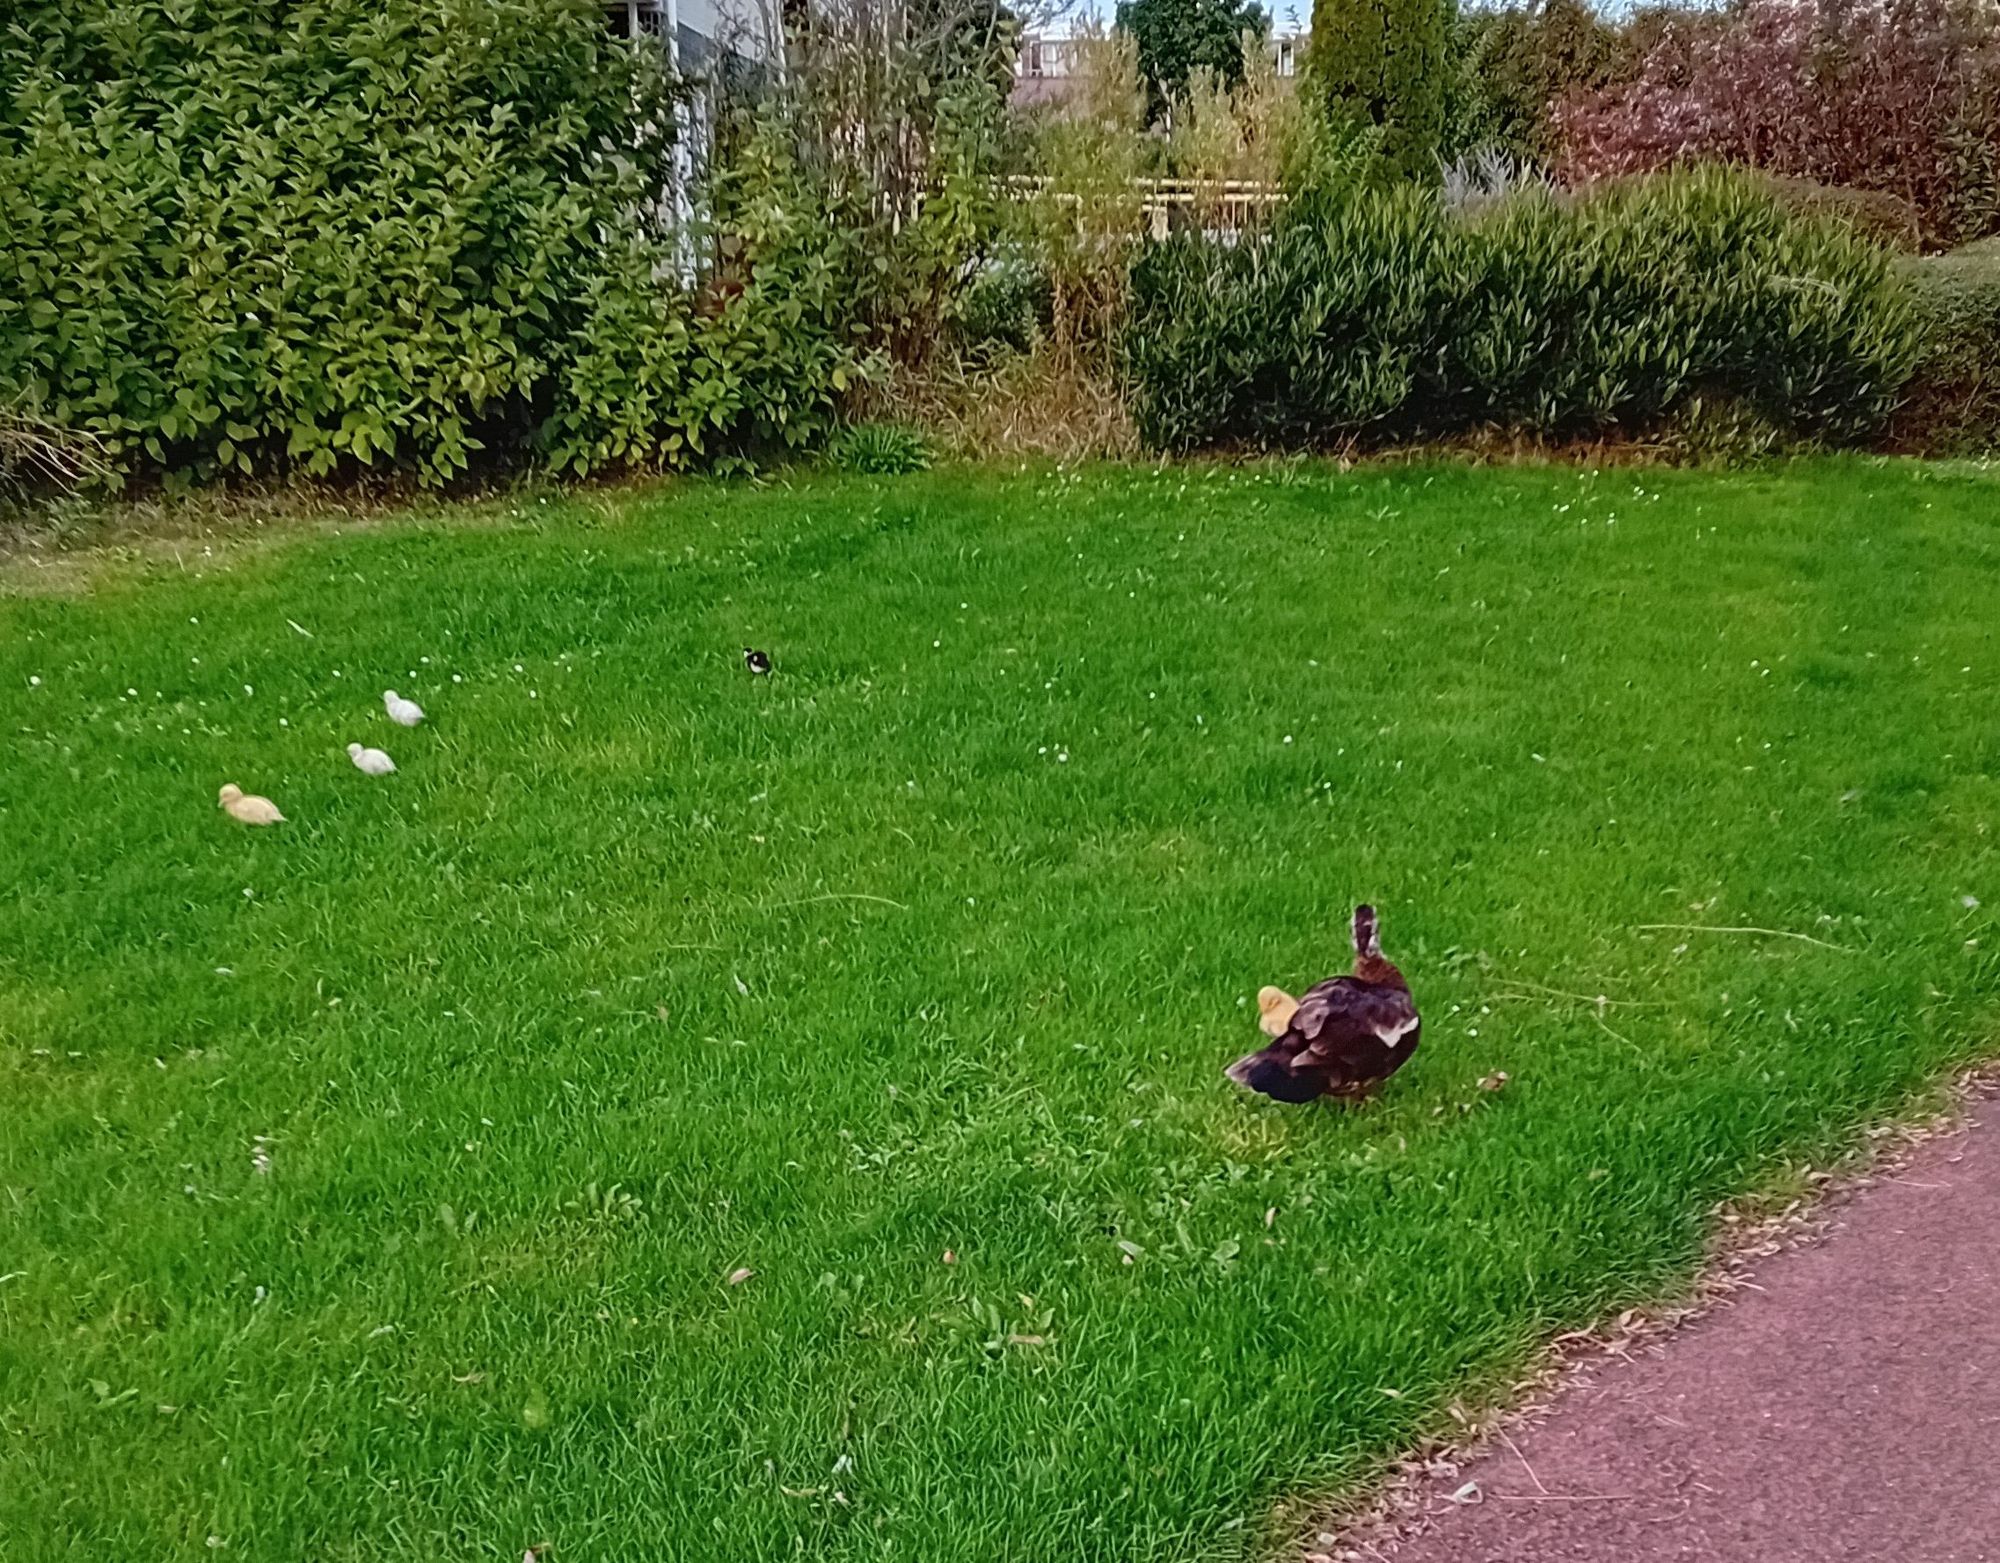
1269 1075
1367 940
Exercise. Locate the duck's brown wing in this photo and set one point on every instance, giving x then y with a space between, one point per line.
1351 1034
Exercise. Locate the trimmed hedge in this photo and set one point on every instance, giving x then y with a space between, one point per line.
1885 219
1953 407
238 236
1377 315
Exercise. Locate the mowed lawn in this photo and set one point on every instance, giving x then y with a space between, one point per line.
372 1187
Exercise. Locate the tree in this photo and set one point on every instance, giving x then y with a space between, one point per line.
1175 37
1382 62
1511 65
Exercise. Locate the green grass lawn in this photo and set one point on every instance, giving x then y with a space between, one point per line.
370 1186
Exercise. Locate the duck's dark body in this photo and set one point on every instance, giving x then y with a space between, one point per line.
1347 1035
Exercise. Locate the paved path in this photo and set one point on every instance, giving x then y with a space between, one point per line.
1845 1409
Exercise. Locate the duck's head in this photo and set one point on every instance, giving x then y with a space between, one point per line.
354 751
230 793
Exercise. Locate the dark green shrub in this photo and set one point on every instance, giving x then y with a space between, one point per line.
1379 315
1382 62
1005 308
1953 406
238 236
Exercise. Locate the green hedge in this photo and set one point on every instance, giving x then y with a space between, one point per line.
338 233
1953 406
1376 314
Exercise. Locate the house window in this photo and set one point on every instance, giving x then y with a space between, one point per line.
1035 57
636 18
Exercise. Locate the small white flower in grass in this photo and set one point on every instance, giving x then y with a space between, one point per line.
1062 758
133 693
248 690
935 644
1288 738
34 681
1969 902
456 679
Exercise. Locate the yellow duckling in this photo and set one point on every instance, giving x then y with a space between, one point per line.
248 807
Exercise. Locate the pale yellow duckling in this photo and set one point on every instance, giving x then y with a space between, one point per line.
1275 1008
248 807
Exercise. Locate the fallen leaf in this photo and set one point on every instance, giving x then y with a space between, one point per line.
741 1274
1393 1394
470 1378
1497 1081
950 1258
1027 1340
1469 1493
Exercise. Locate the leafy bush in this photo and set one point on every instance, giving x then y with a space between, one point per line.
1378 314
352 232
1005 308
1899 96
1953 407
651 375
1382 62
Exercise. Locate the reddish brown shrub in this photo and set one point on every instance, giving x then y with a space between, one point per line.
1896 96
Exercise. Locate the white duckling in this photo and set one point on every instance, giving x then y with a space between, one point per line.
370 762
248 807
404 713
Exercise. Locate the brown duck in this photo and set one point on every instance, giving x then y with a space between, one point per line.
1343 1038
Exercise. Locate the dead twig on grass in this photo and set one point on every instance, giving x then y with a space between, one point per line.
1769 933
